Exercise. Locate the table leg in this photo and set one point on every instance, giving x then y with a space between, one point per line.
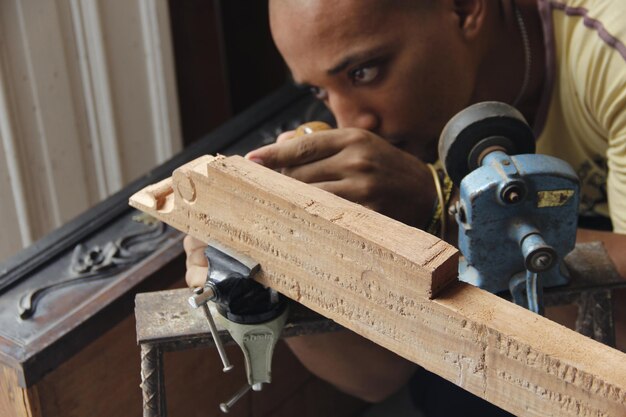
152 381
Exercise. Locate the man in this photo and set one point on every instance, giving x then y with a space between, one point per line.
393 72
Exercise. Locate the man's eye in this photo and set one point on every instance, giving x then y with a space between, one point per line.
318 93
364 75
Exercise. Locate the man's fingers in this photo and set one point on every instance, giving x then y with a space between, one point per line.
196 262
196 276
341 188
298 151
197 258
285 136
190 244
328 169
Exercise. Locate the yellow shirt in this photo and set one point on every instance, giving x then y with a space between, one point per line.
585 107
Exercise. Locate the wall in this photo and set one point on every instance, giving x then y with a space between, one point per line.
87 104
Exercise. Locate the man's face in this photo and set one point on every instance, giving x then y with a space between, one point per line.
395 68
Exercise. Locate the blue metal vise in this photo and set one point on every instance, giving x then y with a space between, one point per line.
517 211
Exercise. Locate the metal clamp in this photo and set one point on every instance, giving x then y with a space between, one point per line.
253 315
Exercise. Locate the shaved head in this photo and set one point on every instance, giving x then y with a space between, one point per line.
318 9
398 68
386 4
359 3
296 24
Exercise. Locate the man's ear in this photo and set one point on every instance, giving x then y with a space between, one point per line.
471 15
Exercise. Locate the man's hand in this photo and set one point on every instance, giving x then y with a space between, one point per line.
359 166
197 265
352 163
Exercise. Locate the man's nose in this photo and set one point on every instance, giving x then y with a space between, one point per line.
350 112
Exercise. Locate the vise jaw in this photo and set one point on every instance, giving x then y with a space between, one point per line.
253 315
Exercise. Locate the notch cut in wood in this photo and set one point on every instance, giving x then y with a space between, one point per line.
378 277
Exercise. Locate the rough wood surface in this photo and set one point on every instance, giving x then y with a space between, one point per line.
377 277
258 211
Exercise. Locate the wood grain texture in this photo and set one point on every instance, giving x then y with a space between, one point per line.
377 277
257 211
16 401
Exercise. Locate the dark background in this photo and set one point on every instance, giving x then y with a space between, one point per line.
225 60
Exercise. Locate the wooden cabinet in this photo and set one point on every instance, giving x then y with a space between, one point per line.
77 355
103 380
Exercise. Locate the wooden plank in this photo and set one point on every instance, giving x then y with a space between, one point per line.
377 277
258 211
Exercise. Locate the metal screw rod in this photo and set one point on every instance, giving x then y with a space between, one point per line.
542 261
201 296
216 338
200 299
534 292
225 407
